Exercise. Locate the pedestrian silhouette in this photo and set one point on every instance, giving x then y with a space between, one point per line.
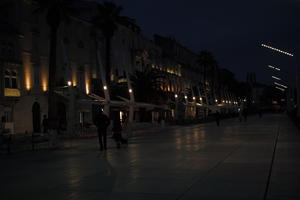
240 115
102 122
117 132
217 115
45 124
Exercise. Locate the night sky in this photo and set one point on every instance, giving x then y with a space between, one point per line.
233 30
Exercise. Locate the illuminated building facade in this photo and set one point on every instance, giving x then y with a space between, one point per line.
80 84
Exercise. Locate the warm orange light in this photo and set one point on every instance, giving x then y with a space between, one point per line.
27 70
44 88
87 89
74 77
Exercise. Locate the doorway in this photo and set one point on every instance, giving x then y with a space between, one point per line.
36 117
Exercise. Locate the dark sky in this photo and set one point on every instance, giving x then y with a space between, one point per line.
232 29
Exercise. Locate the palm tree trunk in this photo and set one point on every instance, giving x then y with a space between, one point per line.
100 64
107 69
52 112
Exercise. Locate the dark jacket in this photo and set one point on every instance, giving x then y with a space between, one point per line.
101 121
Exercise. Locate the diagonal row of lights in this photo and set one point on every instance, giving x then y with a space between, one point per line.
279 88
278 50
277 78
272 67
280 85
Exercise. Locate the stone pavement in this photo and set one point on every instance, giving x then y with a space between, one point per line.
233 161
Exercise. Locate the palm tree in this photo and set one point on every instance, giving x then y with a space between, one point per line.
107 20
56 12
146 85
208 63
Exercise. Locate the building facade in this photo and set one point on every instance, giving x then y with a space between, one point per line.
81 88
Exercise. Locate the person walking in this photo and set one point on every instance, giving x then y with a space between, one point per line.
217 115
117 131
240 115
102 122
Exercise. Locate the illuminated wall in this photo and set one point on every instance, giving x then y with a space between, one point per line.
74 73
87 78
44 73
27 70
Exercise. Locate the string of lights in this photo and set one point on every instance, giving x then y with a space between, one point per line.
272 67
275 77
279 88
278 50
280 85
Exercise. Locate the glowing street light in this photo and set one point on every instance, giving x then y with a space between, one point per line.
280 85
194 98
105 87
176 96
185 97
272 67
130 90
69 83
200 98
280 89
279 79
278 50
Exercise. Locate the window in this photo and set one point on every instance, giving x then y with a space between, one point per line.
7 79
10 79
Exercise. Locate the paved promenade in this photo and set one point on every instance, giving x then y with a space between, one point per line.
254 160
